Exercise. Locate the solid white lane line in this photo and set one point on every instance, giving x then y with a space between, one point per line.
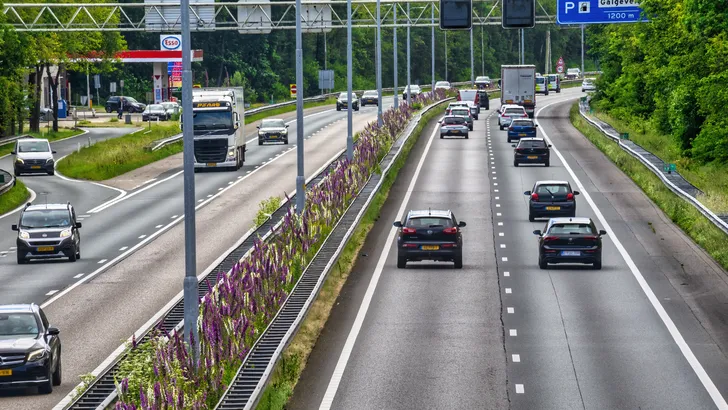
78 276
516 358
31 199
121 192
513 332
519 389
102 261
661 312
51 293
338 373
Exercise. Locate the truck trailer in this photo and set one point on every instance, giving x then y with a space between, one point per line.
219 128
518 86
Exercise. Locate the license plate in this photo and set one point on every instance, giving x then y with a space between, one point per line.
45 249
35 167
430 247
8 372
532 157
211 164
553 208
455 131
570 253
521 135
273 136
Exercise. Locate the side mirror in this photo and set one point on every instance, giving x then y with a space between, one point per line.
576 192
53 331
237 124
258 127
527 193
288 125
602 232
537 232
462 224
53 152
550 145
78 224
513 145
536 125
13 152
14 227
397 224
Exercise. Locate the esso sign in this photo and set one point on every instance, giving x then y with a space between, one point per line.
170 42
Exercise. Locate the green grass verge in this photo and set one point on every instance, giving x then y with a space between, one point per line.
14 198
50 136
689 219
289 368
287 108
113 157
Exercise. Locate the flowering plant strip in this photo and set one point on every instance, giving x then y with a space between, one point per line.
242 302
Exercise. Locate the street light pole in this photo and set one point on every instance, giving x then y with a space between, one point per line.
582 49
523 48
191 292
432 20
379 65
482 51
300 179
396 72
446 56
409 81
472 61
349 117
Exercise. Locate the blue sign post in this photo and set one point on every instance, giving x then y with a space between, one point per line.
570 12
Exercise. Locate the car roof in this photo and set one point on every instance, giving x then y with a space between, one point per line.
432 212
46 206
532 139
576 220
31 139
17 308
552 182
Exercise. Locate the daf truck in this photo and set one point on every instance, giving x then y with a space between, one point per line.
518 86
219 135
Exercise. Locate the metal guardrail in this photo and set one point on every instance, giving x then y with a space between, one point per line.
7 181
6 140
672 179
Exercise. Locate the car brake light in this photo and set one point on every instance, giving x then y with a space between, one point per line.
410 245
550 238
569 196
409 230
459 97
521 150
593 238
450 230
534 197
449 245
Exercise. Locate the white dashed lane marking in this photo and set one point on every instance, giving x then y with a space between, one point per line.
142 236
158 226
51 293
511 310
516 358
504 259
503 246
174 216
102 261
509 290
519 389
78 276
513 332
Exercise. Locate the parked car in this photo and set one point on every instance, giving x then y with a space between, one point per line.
551 199
532 151
482 81
272 130
509 114
521 128
414 91
588 84
454 126
130 104
343 100
570 240
370 97
464 113
171 108
155 112
33 155
48 231
30 349
554 82
429 235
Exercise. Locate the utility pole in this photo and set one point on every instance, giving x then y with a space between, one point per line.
88 87
582 49
396 72
349 118
547 64
409 81
432 20
379 65
300 179
191 292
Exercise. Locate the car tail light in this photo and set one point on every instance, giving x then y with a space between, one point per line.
449 245
591 238
409 230
450 230
550 238
521 150
534 197
569 196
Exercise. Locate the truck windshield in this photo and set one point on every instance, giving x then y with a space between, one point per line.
213 120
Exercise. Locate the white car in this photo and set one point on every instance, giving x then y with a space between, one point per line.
505 118
588 85
442 85
504 106
455 104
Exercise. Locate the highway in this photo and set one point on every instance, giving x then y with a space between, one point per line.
647 331
121 289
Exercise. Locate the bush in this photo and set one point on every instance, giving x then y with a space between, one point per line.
266 209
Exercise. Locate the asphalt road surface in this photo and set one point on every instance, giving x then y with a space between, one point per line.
121 290
647 331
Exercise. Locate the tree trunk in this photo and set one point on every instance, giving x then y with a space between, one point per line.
35 112
54 93
21 119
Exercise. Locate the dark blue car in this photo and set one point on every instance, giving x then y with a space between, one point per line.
521 128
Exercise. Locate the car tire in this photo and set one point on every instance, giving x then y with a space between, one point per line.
547 163
466 136
531 218
458 260
56 377
401 261
72 258
442 136
597 265
470 128
515 164
16 173
285 141
47 387
542 263
558 91
338 108
356 108
53 172
501 127
21 260
78 252
508 139
260 141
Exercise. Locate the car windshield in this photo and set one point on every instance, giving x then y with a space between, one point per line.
442 84
429 222
554 190
539 80
482 79
45 218
33 146
532 144
129 99
413 88
468 95
552 78
169 105
13 325
510 111
587 81
454 120
211 120
522 123
272 124
571 229
370 94
155 107
464 113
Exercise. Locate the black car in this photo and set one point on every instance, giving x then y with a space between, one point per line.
429 235
531 151
570 240
551 199
343 101
130 104
370 97
30 349
484 99
48 231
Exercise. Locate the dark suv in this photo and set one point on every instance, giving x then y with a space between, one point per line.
550 199
570 240
429 235
30 349
130 104
48 231
531 151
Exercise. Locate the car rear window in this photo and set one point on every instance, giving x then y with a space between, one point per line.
552 189
523 123
460 111
515 110
454 120
539 80
468 95
571 228
532 144
429 222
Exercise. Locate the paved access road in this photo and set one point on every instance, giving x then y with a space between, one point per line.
504 333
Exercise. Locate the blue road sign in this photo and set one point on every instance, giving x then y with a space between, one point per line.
570 12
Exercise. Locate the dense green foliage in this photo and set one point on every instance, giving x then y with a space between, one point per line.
670 74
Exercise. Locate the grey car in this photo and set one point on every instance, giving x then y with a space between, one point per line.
33 155
465 113
455 126
48 231
155 112
272 130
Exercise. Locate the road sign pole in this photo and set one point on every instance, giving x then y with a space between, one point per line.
300 179
523 46
88 86
379 65
582 49
396 70
409 81
472 61
446 76
349 114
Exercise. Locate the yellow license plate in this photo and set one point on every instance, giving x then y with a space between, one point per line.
45 249
553 208
35 167
455 131
521 135
430 247
211 164
532 157
7 372
273 136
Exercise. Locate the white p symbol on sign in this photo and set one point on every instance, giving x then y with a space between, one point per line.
569 5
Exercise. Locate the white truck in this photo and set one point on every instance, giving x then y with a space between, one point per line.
219 127
518 86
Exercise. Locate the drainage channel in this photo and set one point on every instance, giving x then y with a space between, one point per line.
103 388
